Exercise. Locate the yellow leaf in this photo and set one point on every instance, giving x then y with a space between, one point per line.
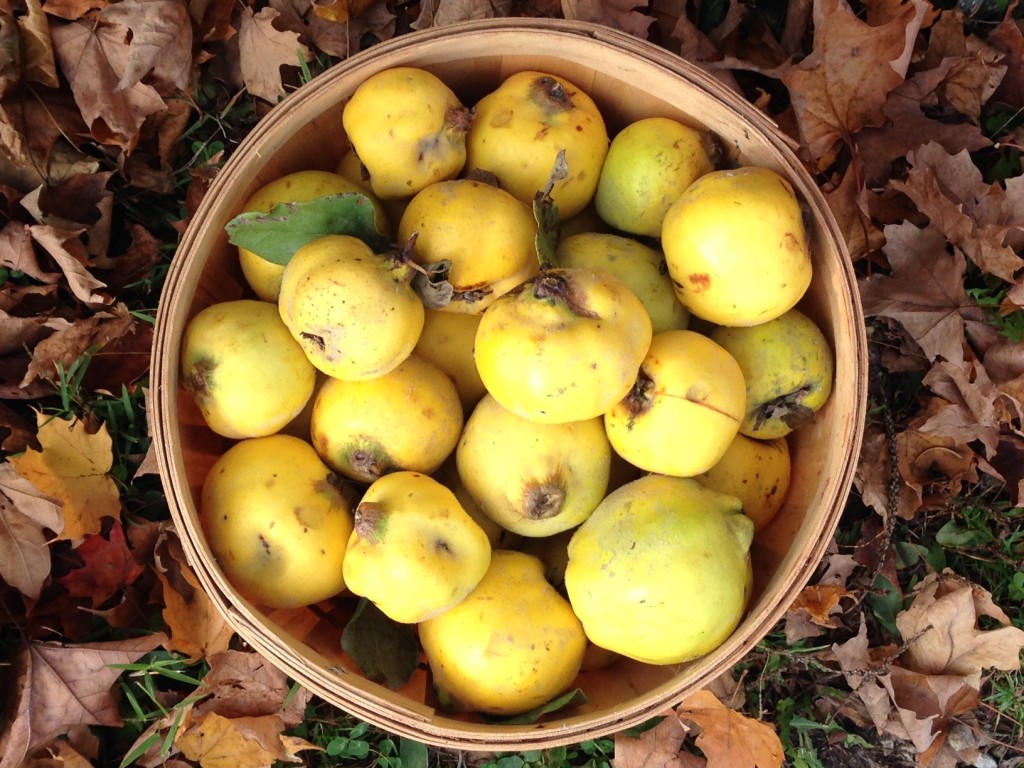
217 742
336 10
73 468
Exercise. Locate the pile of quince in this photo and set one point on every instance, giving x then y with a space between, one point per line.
545 426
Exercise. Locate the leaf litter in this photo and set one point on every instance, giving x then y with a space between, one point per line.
907 113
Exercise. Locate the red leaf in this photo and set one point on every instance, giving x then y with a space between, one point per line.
108 567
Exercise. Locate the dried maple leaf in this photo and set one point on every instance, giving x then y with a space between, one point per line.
814 605
657 747
848 202
72 9
38 64
16 252
24 554
925 291
74 468
244 684
244 742
161 42
730 738
118 342
976 70
59 686
908 126
263 50
621 14
975 216
16 432
941 627
196 627
842 85
67 250
93 57
1008 38
107 567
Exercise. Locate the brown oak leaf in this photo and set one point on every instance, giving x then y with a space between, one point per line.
841 86
94 58
161 42
263 50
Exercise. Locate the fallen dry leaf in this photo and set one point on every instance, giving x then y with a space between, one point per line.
73 467
38 64
24 554
941 627
68 252
94 58
105 334
841 86
657 747
244 742
58 686
263 50
925 291
812 610
243 684
161 42
107 567
730 738
977 68
626 15
978 218
197 629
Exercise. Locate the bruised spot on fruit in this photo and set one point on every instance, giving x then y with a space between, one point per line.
314 339
557 287
699 281
640 398
265 544
199 379
442 547
551 95
370 521
543 499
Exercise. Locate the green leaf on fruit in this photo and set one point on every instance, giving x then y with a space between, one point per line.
546 213
571 699
386 651
279 233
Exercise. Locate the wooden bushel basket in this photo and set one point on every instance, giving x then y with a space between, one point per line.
628 79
